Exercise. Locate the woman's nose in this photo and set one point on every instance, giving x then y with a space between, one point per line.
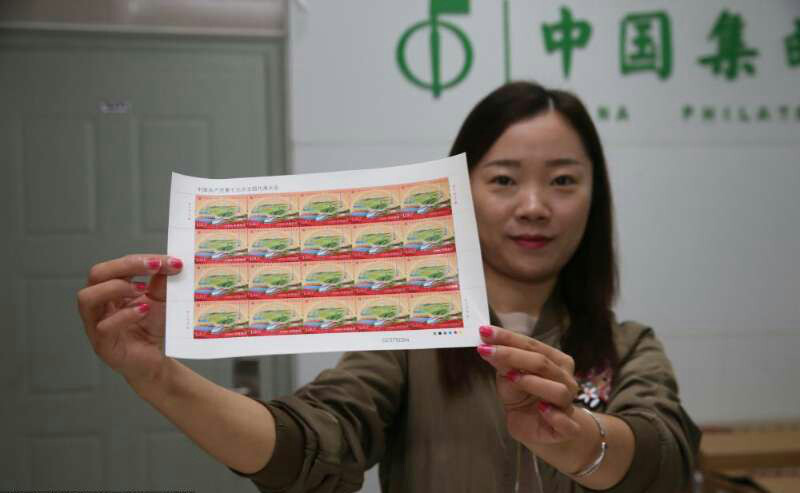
532 206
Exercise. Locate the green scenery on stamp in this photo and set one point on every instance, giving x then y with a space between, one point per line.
375 239
220 211
430 235
382 312
220 318
324 207
373 203
273 279
220 280
335 277
220 244
330 316
275 318
378 275
272 244
325 242
275 210
436 310
433 272
280 315
428 198
327 314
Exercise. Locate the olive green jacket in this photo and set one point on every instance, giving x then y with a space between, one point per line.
388 407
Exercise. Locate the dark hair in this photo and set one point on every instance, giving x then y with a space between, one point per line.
587 284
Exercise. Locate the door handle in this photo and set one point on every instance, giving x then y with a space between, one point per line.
247 377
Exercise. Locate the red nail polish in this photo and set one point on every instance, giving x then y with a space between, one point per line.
513 375
486 350
544 407
143 308
486 331
175 263
154 264
140 286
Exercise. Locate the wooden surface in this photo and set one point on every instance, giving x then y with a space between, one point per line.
780 485
749 448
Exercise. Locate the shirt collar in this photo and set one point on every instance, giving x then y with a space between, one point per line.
551 319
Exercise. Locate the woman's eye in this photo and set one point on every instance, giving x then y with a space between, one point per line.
502 180
564 180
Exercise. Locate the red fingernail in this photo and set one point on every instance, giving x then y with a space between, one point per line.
154 263
513 375
143 308
486 350
486 331
544 407
140 286
175 263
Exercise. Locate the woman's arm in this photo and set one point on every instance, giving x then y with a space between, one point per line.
651 441
236 430
321 439
124 322
584 448
645 395
330 431
536 385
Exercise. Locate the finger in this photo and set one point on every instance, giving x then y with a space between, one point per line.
94 300
134 265
503 337
121 319
562 424
129 302
154 323
505 359
158 288
523 402
109 330
141 287
547 390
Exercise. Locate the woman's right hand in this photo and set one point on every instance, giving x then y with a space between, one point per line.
124 320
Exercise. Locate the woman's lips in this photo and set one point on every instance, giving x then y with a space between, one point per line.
531 242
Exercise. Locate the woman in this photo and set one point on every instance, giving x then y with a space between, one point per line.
562 399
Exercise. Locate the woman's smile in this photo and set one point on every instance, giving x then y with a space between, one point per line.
531 242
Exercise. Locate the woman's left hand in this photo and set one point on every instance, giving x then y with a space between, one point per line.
536 385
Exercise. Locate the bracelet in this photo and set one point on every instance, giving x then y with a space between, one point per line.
603 446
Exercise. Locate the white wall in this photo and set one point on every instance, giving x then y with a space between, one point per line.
708 212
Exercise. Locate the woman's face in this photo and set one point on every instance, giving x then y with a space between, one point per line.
532 193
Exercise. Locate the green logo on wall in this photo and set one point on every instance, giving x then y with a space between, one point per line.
433 23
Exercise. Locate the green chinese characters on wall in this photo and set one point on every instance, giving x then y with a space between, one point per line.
792 44
566 35
733 55
645 44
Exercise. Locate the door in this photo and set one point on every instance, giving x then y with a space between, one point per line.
91 126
